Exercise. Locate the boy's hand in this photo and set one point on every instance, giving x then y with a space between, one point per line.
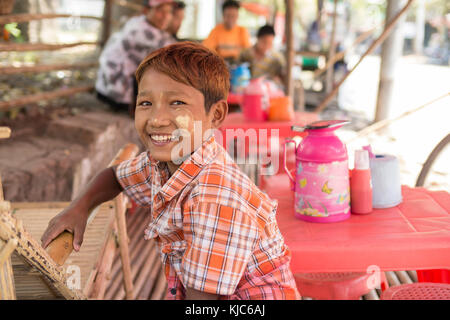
72 219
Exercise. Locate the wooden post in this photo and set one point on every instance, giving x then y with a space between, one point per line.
420 27
390 52
329 82
106 31
289 87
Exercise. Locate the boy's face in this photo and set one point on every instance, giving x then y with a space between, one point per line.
160 16
265 43
167 112
230 17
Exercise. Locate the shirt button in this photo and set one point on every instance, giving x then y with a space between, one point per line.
173 291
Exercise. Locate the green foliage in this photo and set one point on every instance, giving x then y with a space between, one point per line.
12 29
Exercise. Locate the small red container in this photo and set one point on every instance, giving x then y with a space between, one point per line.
361 191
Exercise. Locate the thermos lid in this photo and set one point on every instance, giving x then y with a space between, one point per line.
321 124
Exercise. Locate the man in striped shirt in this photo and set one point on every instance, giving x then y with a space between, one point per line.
216 230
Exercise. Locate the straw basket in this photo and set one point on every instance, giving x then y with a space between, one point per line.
6 6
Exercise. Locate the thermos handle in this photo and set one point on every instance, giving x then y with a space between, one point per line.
285 164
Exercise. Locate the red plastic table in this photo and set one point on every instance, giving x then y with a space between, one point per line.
414 235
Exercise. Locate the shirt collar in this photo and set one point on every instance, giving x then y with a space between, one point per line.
188 170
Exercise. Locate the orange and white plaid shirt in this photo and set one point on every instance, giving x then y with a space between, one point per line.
216 230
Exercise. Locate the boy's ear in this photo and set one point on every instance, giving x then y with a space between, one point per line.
218 113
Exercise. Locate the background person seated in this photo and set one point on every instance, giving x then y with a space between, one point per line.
264 61
227 38
177 19
124 51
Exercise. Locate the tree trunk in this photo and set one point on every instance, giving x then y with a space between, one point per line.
390 52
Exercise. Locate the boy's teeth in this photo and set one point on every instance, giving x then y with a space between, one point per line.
162 138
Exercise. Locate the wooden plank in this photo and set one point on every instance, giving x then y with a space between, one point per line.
22 47
24 17
371 295
6 105
46 68
160 290
139 248
413 275
403 277
392 278
104 267
129 5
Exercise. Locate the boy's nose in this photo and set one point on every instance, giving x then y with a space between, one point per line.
158 119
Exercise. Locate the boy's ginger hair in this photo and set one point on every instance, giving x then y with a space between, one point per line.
194 65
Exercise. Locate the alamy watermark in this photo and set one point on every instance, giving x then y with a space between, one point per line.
248 146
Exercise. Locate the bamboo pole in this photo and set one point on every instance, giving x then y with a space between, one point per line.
290 54
383 123
6 105
380 39
24 17
341 54
7 249
46 68
8 47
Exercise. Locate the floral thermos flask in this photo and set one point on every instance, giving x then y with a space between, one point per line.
322 191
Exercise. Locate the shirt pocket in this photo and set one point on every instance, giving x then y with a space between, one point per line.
175 248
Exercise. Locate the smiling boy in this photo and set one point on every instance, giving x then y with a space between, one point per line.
216 230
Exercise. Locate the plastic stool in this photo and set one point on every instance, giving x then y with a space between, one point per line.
418 291
335 285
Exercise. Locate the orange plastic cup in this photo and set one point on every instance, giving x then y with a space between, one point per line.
281 109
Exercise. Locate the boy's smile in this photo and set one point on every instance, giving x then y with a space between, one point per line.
168 113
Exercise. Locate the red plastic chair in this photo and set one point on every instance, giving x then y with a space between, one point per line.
335 285
418 291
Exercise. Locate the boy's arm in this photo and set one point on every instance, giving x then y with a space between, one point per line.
192 294
102 188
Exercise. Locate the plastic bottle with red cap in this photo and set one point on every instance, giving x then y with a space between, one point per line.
361 184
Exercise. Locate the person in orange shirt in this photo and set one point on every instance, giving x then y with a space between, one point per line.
227 38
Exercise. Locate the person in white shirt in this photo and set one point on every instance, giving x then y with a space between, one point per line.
116 83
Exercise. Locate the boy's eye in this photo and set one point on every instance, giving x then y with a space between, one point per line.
145 103
177 102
